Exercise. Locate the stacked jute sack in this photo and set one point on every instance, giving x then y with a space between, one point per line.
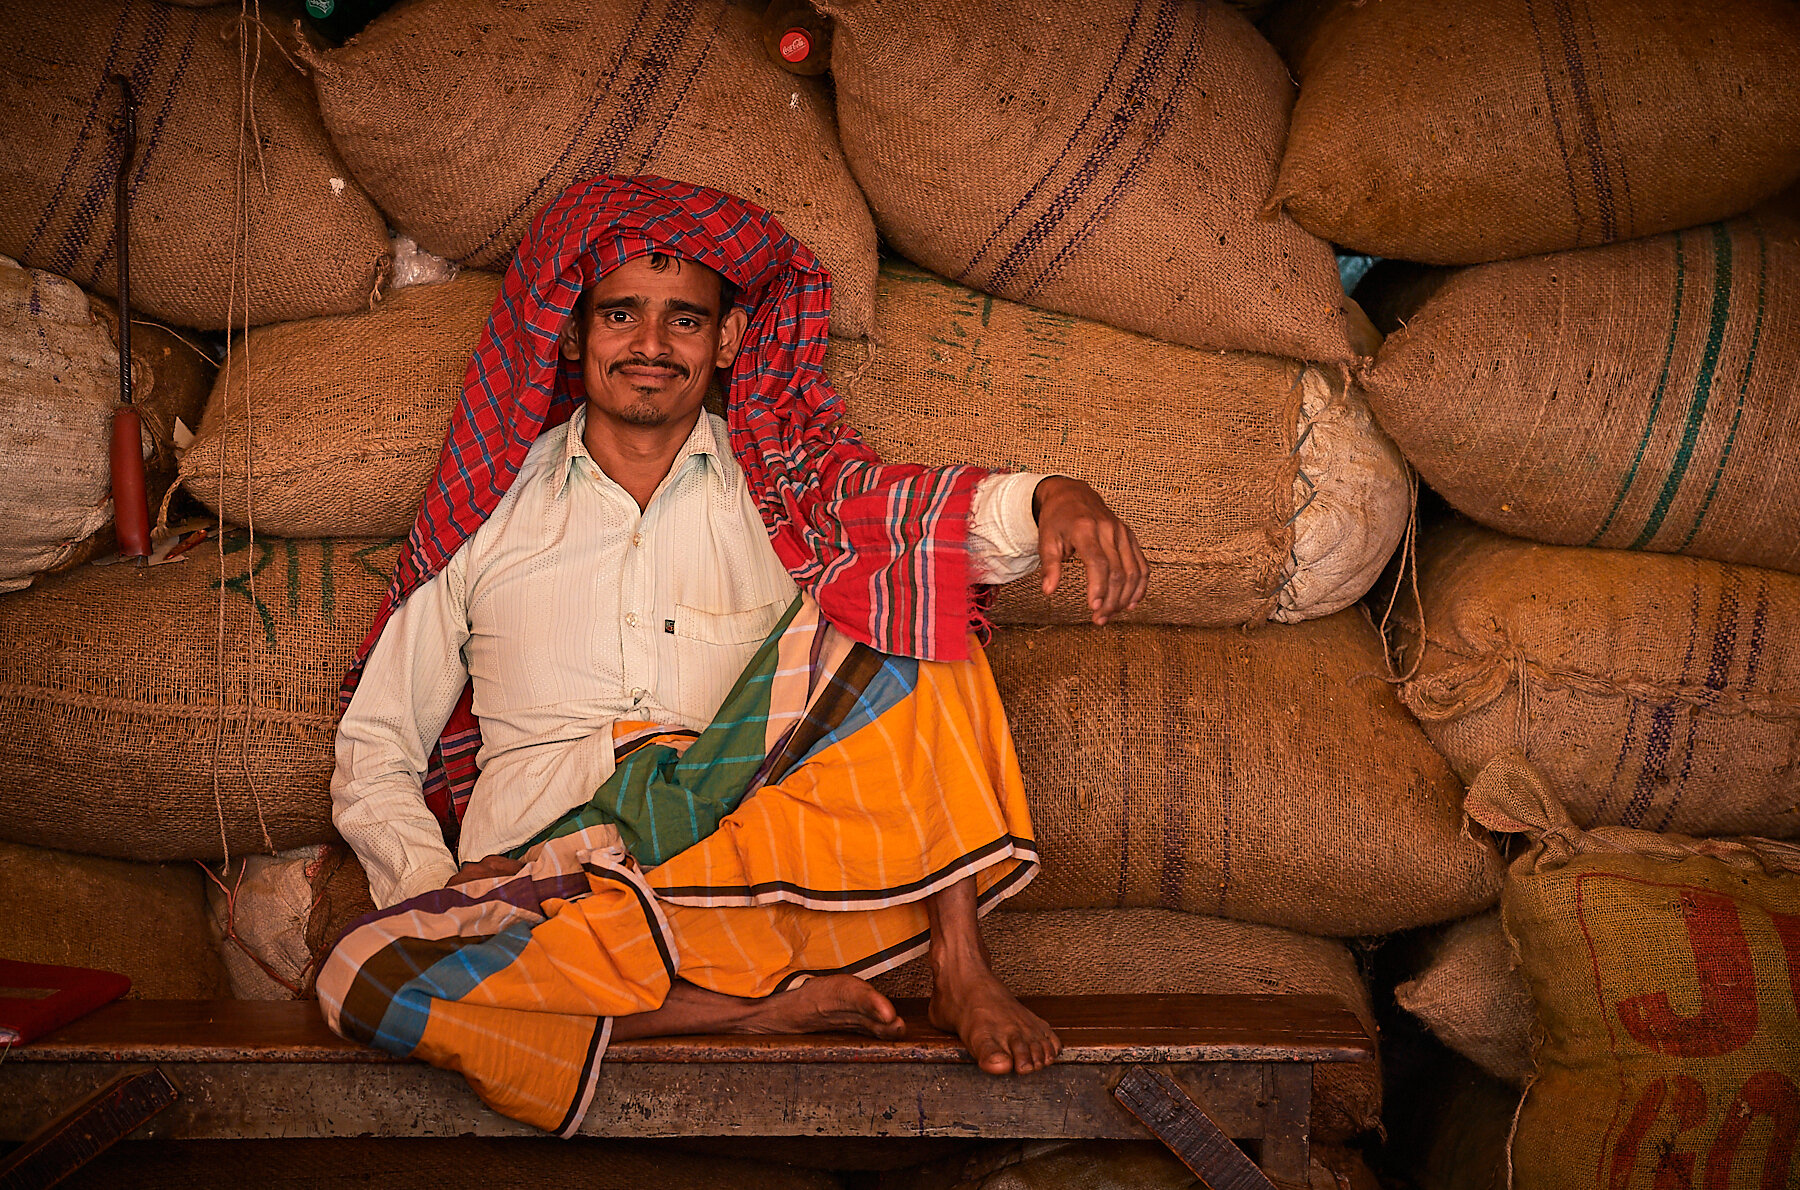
90 651
59 386
1638 701
1225 787
1610 373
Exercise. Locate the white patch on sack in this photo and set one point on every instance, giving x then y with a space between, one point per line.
415 266
1352 501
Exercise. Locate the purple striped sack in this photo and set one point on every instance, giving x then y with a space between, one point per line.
1651 691
463 120
317 245
1105 159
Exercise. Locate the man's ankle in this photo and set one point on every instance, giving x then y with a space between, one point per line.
959 965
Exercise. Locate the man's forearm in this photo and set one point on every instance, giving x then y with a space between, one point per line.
394 835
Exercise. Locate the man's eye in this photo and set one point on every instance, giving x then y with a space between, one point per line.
617 316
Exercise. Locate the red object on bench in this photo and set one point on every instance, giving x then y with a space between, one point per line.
37 997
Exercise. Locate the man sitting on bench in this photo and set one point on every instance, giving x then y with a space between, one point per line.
738 749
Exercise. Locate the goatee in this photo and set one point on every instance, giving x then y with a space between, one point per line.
644 414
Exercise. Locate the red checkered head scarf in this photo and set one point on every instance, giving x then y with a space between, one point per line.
881 546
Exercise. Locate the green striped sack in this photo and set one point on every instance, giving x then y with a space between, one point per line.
1637 396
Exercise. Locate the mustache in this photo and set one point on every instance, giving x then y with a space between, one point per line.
643 361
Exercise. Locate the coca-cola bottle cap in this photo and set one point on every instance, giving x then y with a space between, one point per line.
795 45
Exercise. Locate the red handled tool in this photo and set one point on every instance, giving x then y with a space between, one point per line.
131 501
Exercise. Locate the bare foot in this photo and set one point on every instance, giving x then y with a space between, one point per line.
1004 1035
827 1004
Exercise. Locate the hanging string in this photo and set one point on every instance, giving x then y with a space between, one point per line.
249 28
1409 570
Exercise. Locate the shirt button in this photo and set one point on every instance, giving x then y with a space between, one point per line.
637 539
631 619
637 694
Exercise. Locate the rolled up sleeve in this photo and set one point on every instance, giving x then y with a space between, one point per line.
1003 535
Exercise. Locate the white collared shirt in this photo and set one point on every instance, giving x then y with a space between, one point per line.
569 609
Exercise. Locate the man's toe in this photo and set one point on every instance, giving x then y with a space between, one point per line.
993 1054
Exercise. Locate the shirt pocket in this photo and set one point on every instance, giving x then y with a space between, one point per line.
712 649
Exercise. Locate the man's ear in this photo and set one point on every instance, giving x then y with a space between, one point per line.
731 336
569 342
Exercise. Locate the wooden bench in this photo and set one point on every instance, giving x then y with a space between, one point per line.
1192 1070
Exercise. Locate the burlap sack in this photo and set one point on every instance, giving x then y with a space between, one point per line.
1664 972
276 917
1655 692
1258 486
1472 997
1268 776
1103 159
463 119
1102 952
1457 134
134 730
316 244
1638 396
344 416
59 386
144 921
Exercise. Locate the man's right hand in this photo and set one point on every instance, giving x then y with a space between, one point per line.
1074 522
481 869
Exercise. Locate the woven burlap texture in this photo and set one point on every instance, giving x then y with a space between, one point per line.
463 120
1661 968
1471 995
144 921
345 415
1098 952
144 724
59 385
1102 159
1653 691
317 245
1472 132
1638 396
1268 776
1257 486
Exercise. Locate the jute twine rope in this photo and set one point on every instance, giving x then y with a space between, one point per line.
249 28
1408 575
1483 675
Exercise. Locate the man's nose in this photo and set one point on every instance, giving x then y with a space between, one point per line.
650 340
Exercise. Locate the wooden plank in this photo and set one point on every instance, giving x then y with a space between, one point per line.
81 1133
1189 1132
222 1100
1094 1029
1286 1150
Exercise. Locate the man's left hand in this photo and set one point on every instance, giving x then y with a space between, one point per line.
1074 522
481 869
